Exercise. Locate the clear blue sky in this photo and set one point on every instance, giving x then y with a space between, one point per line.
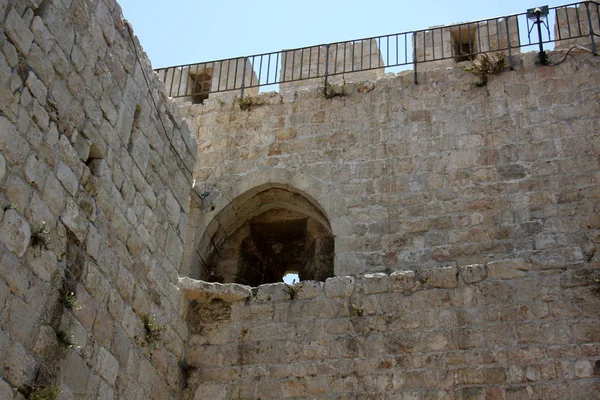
188 31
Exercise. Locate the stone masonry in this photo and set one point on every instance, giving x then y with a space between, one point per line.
461 226
417 176
94 198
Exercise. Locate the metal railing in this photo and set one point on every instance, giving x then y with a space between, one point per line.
574 24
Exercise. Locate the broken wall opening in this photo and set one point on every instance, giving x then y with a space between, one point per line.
262 236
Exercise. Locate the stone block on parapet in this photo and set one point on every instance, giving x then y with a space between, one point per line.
203 291
573 22
307 289
374 283
443 46
221 80
306 68
339 287
273 292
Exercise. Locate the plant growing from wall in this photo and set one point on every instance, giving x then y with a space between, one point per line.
44 393
40 236
246 103
357 309
485 65
67 338
291 290
68 299
153 331
329 90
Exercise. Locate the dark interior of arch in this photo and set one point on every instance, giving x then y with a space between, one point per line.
285 232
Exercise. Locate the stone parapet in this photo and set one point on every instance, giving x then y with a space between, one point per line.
449 333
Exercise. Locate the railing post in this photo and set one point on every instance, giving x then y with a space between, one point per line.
244 77
415 57
587 8
327 62
510 62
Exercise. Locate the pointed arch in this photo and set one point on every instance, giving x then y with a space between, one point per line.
251 211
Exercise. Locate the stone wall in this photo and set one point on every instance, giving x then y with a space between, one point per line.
506 330
94 199
443 173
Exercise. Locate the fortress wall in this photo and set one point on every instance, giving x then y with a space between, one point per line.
83 150
505 330
443 173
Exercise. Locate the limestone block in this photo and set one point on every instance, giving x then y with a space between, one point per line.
473 273
107 365
92 242
12 144
204 291
18 32
43 263
374 283
440 277
35 172
307 289
172 207
74 220
15 232
54 194
68 178
37 88
507 269
76 373
272 292
5 390
339 287
402 280
140 149
19 367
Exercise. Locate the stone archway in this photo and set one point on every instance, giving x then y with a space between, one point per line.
265 233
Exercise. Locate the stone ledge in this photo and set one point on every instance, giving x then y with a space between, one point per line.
402 281
204 291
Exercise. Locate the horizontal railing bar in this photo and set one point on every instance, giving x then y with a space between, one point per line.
286 64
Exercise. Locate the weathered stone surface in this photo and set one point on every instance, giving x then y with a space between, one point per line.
440 277
18 32
374 283
67 178
15 232
473 273
339 287
74 220
402 280
423 179
200 290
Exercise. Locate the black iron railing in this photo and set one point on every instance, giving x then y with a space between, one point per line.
558 27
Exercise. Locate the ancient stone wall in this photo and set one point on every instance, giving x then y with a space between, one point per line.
101 225
443 173
506 330
94 198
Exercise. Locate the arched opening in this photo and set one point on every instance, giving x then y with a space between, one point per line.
264 234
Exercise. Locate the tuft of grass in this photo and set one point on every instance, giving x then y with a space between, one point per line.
44 393
357 309
485 65
40 236
246 103
67 338
329 90
69 300
291 290
154 331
